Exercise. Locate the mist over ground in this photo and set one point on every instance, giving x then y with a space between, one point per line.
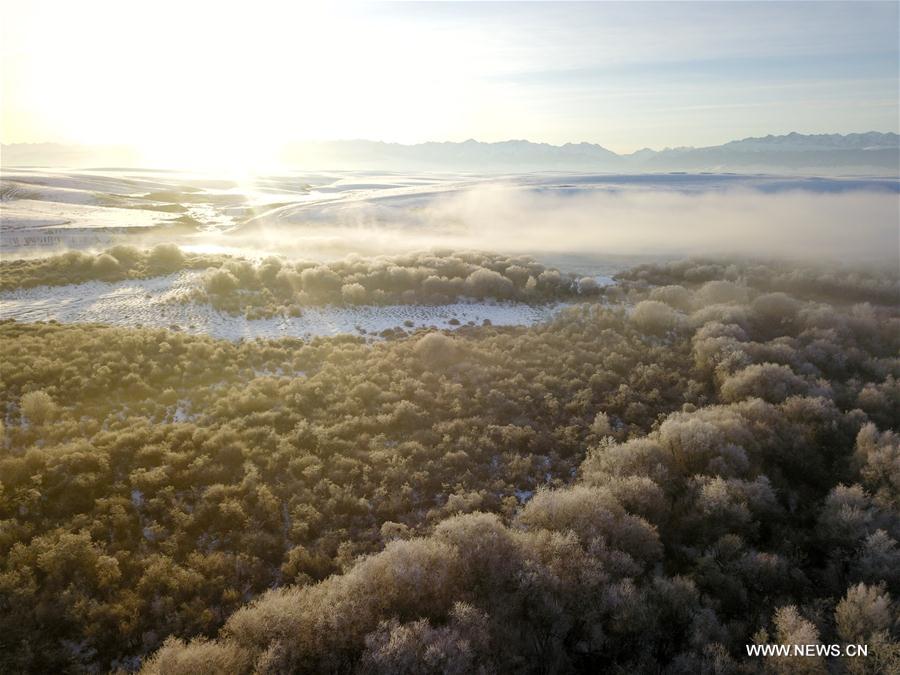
327 215
857 225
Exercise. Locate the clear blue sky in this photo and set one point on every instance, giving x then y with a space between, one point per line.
625 75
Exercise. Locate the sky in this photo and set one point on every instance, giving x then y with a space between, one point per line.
204 77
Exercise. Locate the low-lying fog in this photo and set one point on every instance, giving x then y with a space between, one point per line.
847 225
558 216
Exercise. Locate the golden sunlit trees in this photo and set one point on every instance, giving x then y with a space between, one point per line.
597 493
37 407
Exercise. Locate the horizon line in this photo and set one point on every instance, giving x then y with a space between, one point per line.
136 146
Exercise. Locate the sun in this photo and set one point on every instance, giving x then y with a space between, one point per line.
221 88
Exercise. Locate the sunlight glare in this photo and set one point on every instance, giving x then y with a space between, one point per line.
226 87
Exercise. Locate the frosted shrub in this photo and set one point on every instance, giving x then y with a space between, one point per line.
37 407
165 258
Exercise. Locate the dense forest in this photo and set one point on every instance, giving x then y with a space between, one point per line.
704 456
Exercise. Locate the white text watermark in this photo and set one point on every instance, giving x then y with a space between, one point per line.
807 650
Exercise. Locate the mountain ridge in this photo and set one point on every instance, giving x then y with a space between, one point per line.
864 151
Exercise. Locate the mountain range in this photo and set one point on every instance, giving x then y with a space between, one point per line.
861 153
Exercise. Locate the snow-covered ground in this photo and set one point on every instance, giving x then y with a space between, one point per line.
46 210
156 302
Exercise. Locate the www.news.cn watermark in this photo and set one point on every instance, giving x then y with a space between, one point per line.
807 650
